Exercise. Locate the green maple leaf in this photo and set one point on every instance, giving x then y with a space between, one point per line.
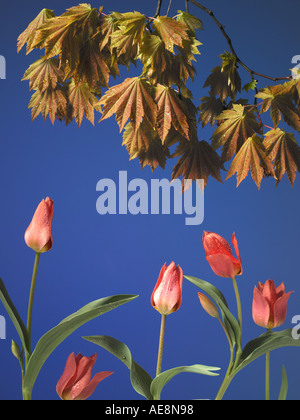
82 101
238 124
210 108
171 110
131 100
29 35
171 32
44 73
252 154
279 99
50 102
198 161
283 149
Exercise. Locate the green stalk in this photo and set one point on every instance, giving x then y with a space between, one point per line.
227 379
240 321
30 303
267 385
161 344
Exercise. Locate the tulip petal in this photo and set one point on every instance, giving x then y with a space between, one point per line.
90 388
280 309
260 309
67 376
236 248
221 265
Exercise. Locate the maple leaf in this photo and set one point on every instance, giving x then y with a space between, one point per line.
192 22
171 110
82 101
29 35
128 38
282 148
210 108
279 99
108 25
155 155
137 140
218 83
57 34
252 154
239 123
171 32
131 100
198 161
229 68
93 64
50 102
44 73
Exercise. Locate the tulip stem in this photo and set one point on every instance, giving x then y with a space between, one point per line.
267 385
30 303
161 344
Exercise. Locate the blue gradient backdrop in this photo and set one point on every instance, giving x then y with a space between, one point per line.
95 256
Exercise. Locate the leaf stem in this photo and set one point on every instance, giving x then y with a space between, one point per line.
161 344
30 303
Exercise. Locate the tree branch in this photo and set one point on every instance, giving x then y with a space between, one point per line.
158 7
229 42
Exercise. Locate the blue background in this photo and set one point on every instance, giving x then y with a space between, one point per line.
95 256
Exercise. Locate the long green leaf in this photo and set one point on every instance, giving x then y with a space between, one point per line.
163 378
48 343
230 321
284 385
13 314
266 342
140 379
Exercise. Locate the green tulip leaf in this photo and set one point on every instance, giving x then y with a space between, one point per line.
163 378
13 314
268 341
284 385
140 379
230 322
48 342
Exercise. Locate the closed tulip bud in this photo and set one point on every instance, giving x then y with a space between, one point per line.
167 294
208 305
269 304
75 382
219 254
38 235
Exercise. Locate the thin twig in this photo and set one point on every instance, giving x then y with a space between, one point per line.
158 7
229 42
169 7
187 6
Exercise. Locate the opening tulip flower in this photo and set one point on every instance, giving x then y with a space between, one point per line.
219 255
38 235
269 304
167 294
76 383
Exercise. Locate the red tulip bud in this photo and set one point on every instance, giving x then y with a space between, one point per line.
38 235
167 294
76 383
218 253
269 304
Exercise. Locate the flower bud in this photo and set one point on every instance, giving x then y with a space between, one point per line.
208 305
167 294
38 235
75 382
218 253
269 305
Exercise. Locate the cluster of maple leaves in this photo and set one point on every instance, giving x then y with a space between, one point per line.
84 47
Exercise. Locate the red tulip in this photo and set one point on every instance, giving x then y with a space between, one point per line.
218 253
167 294
76 383
38 235
269 304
